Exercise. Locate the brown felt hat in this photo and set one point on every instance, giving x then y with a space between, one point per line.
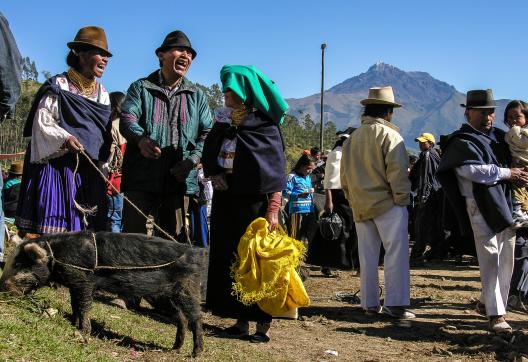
16 168
90 35
479 98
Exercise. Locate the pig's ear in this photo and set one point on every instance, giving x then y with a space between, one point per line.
35 252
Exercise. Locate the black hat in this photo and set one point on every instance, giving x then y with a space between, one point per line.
479 98
176 39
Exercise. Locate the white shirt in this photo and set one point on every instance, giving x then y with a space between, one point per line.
332 179
482 174
47 136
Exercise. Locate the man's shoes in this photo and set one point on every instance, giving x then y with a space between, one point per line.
498 324
398 312
327 272
515 303
259 337
480 308
373 311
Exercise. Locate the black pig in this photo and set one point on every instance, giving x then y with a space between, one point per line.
80 262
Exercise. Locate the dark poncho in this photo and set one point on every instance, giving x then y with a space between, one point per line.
467 146
83 118
423 174
259 162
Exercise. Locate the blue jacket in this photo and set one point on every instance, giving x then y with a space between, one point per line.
10 69
139 117
296 185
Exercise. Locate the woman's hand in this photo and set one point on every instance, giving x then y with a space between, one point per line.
273 220
72 144
519 176
219 182
329 206
148 148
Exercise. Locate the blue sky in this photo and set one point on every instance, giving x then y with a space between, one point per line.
469 44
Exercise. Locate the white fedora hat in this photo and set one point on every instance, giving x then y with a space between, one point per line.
380 95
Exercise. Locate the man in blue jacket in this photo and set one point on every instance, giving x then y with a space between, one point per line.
165 120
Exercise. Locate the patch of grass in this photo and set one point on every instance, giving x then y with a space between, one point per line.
28 333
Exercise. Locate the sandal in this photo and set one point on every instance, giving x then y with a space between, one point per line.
259 337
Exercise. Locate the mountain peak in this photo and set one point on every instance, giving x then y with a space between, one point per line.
419 86
381 66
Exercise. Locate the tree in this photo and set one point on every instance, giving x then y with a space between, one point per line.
329 134
29 70
214 95
46 74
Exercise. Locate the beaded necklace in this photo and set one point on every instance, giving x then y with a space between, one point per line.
238 115
85 86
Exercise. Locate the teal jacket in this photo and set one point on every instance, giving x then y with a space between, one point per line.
140 117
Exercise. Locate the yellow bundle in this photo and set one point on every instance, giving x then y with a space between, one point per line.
264 272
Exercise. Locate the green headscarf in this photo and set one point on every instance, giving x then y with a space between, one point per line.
255 89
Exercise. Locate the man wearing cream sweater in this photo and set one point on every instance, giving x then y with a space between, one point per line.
375 182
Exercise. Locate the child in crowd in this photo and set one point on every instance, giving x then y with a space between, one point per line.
114 165
515 117
299 191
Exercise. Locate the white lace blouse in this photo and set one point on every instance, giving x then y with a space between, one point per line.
47 136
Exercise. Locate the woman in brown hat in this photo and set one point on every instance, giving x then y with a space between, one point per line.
70 113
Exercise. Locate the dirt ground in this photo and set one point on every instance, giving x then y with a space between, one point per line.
446 327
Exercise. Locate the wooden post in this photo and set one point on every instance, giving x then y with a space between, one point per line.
321 130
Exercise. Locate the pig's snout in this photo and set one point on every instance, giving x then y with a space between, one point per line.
9 287
19 284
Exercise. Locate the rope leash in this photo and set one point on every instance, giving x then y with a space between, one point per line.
90 211
169 236
105 267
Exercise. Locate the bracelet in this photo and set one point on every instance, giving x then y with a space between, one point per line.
274 202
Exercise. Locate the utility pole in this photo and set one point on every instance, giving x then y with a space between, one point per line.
323 46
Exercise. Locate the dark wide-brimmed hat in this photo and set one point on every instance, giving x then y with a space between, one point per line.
479 98
176 39
90 35
16 168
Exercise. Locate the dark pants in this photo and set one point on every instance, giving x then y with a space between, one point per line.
521 258
429 231
168 211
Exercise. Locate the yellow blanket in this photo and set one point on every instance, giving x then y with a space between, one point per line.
264 272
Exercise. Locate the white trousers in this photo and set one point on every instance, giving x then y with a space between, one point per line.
495 253
390 229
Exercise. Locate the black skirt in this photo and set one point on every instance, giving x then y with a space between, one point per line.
342 252
231 214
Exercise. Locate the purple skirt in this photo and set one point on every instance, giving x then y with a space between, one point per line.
45 205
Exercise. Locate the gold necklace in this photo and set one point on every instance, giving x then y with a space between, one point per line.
85 86
238 115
